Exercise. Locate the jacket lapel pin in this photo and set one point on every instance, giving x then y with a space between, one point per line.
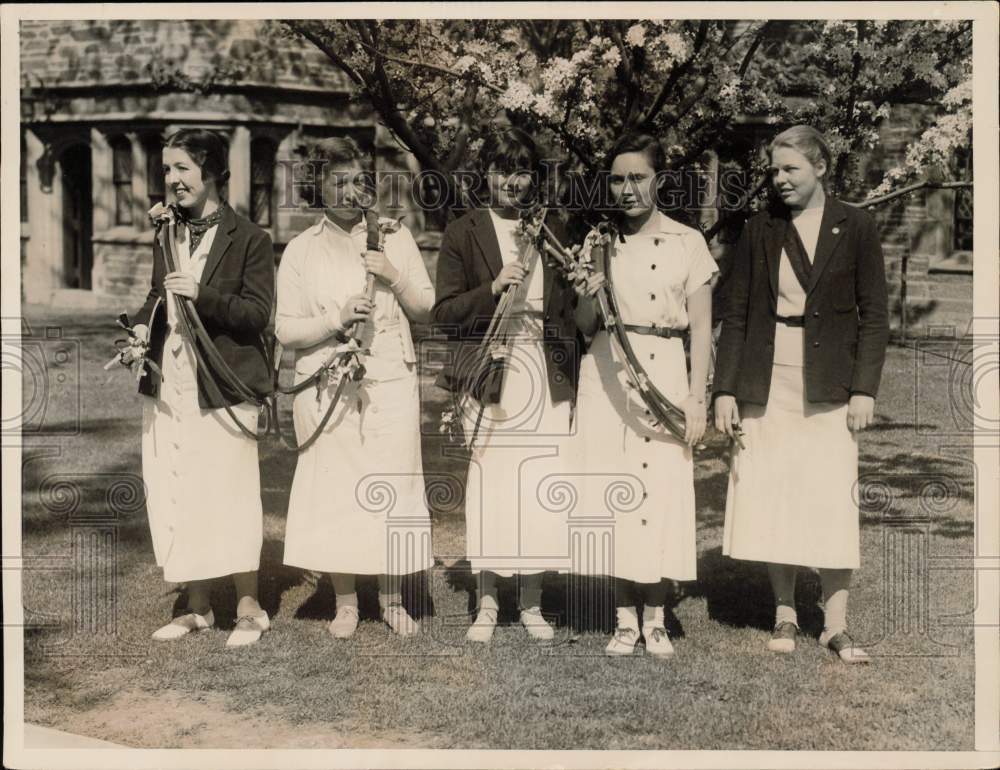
836 230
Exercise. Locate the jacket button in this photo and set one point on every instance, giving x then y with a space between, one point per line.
815 314
815 344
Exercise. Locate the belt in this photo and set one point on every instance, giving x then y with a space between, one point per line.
656 331
792 320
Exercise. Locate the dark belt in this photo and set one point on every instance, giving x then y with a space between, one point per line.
656 331
792 320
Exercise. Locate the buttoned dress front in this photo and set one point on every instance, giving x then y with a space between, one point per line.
201 473
635 477
357 503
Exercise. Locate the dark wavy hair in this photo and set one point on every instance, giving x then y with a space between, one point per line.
333 149
647 144
511 149
207 149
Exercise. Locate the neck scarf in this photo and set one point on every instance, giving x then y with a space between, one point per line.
197 228
797 255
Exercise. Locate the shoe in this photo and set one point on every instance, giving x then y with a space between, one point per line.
344 623
844 647
536 625
657 641
399 620
783 637
482 630
183 625
626 635
249 629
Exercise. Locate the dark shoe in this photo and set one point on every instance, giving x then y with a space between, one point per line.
844 647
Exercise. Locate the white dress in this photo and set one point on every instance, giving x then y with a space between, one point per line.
791 490
357 503
638 481
510 526
201 473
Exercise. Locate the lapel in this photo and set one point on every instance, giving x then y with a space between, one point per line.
548 271
485 237
774 241
830 236
220 244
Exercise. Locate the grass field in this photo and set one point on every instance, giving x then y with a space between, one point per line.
910 606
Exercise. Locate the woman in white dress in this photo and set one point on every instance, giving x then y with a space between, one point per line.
523 427
201 473
804 333
357 503
635 472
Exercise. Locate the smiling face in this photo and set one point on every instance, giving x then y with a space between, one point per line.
633 184
795 178
509 189
183 178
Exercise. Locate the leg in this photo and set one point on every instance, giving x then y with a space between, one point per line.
251 620
197 617
654 631
786 622
627 619
836 583
390 597
246 593
530 602
199 600
345 623
486 618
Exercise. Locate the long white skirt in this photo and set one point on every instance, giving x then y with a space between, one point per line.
202 477
357 503
512 524
791 496
636 481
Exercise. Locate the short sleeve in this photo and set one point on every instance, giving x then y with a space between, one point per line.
701 266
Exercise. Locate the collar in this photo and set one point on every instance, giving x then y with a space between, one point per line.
324 223
668 226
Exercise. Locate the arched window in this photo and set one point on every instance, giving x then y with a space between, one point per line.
262 154
121 179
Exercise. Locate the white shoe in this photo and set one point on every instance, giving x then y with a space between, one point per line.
249 629
654 632
399 620
536 625
183 625
626 634
344 623
482 630
843 646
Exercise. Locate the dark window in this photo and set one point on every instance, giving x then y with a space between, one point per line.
121 178
24 180
154 171
963 204
262 153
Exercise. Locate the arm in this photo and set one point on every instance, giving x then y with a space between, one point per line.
250 310
700 318
413 288
459 304
735 294
873 315
293 328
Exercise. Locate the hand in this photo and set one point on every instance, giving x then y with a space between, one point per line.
860 412
378 264
510 275
181 284
588 286
727 415
141 331
694 419
356 308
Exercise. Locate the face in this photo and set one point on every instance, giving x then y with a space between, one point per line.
633 184
507 189
183 178
346 187
794 177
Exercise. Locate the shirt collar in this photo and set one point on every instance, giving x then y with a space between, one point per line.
324 223
670 226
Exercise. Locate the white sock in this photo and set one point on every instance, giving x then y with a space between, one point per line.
652 617
785 614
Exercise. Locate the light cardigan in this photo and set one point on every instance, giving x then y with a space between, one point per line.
321 267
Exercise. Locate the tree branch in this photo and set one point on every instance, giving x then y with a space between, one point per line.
675 74
909 189
327 51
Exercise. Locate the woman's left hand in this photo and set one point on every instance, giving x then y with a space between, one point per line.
588 286
860 412
694 419
181 284
377 263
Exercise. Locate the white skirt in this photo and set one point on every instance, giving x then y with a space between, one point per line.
202 477
637 482
791 496
357 503
512 526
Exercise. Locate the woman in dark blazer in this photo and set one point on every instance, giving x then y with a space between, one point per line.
804 333
508 529
201 473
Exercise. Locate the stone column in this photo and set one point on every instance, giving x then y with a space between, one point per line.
43 249
239 170
101 162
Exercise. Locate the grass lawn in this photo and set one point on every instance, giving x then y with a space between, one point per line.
911 606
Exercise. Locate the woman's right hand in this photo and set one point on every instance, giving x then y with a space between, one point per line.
141 331
509 275
727 415
356 308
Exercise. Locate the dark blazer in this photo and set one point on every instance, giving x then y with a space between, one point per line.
846 315
468 262
234 302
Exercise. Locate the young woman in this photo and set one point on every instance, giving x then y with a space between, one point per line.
803 342
201 474
523 429
336 522
662 275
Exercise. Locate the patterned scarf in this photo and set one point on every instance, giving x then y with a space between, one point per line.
197 228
